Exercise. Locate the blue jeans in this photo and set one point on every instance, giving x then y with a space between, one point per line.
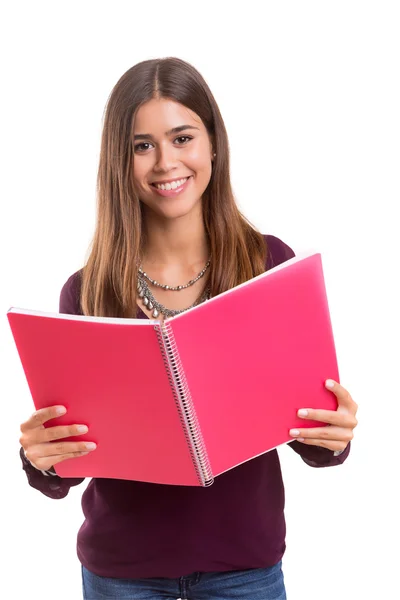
251 584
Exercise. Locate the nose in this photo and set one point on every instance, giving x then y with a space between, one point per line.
166 159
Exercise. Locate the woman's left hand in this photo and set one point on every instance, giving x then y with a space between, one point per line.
341 422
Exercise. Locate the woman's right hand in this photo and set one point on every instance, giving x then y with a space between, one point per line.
43 446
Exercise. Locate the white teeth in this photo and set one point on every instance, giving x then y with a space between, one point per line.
171 186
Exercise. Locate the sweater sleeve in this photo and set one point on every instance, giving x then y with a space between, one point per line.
56 487
314 456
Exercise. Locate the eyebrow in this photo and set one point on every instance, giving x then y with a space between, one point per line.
141 136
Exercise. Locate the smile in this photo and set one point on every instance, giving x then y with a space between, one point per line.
172 188
170 185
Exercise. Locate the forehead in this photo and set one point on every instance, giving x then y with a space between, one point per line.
160 115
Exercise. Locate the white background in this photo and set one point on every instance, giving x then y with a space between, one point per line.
310 96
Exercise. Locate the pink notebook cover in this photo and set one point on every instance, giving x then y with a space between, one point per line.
249 359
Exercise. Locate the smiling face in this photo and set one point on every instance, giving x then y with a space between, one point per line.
172 158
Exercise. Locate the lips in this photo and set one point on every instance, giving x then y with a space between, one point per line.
172 192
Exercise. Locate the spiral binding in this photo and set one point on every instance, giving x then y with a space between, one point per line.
183 400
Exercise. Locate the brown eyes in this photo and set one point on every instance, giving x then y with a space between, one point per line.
144 146
184 137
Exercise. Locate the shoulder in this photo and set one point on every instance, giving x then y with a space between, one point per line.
70 295
277 251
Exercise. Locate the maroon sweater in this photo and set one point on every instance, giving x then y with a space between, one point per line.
134 529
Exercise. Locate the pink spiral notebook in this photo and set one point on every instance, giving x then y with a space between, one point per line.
183 402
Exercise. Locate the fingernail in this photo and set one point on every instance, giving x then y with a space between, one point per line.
303 412
61 410
82 429
329 383
294 432
90 445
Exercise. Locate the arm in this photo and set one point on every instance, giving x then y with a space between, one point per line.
312 455
52 485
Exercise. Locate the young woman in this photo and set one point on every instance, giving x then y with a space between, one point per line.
168 227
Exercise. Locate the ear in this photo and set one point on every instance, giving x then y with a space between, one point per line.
212 151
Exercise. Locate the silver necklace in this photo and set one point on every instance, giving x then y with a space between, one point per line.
177 288
156 307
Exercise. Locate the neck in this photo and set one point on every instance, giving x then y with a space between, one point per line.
180 241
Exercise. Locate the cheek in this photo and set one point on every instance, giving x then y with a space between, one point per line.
198 158
138 173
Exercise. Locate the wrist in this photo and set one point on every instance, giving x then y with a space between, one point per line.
339 452
49 473
27 462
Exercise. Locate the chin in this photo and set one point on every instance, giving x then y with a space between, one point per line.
172 209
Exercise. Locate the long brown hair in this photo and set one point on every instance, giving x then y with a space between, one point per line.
110 274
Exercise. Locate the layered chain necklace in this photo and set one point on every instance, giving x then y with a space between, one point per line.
157 308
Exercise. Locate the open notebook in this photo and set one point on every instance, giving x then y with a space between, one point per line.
183 402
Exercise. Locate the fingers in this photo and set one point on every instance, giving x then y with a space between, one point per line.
33 431
343 396
49 434
41 444
330 437
340 423
331 417
41 416
44 456
45 464
331 433
54 460
344 416
336 446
